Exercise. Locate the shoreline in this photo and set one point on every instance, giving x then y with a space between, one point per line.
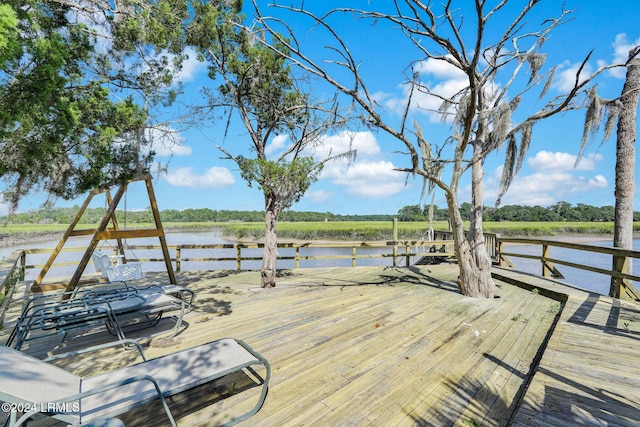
14 239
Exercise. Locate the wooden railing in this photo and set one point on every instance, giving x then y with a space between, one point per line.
620 273
401 252
11 271
621 259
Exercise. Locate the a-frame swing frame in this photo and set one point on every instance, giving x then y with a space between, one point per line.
104 233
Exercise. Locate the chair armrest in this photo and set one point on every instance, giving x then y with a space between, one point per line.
108 387
123 342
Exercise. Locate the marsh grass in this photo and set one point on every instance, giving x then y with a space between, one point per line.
343 230
383 230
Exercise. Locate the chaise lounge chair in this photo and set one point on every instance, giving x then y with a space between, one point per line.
177 291
29 385
113 307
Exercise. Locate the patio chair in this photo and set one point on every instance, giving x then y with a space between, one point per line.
177 291
117 309
117 272
40 387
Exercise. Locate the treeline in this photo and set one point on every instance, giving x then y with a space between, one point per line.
559 212
95 215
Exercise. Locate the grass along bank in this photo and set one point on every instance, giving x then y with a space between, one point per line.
383 230
332 230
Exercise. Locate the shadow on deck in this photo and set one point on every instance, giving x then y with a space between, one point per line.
361 346
589 372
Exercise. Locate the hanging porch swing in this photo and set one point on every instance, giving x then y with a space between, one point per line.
103 233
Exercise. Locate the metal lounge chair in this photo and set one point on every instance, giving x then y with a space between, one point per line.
118 309
29 385
117 272
177 291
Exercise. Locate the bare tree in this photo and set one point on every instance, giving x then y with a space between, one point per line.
500 71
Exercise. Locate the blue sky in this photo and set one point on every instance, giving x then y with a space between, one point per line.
197 177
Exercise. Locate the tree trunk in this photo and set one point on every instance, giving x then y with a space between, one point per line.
473 261
270 251
625 165
480 284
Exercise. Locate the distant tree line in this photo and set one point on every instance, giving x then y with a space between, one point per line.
50 215
559 212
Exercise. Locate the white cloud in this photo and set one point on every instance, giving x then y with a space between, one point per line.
621 47
547 161
318 196
554 179
191 67
440 69
367 175
167 142
215 177
375 179
331 145
276 144
566 79
443 81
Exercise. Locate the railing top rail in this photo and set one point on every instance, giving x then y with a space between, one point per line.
249 245
577 246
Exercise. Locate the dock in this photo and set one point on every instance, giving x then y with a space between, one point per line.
589 373
395 346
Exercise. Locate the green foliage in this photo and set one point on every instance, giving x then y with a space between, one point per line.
256 85
70 119
64 215
61 131
283 182
9 46
332 230
559 212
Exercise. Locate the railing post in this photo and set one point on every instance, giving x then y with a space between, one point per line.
297 256
178 255
407 251
395 240
546 271
23 265
238 258
620 265
353 256
502 260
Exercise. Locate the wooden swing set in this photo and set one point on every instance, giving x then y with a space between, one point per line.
102 233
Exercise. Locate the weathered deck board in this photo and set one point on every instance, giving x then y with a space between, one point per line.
357 346
398 346
589 373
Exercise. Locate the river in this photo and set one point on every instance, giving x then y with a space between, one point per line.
213 236
581 278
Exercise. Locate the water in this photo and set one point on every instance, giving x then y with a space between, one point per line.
190 238
584 279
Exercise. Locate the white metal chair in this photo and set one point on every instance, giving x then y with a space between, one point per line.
117 272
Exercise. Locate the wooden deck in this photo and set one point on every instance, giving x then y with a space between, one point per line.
589 374
397 346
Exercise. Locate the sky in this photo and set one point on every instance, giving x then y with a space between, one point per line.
197 176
